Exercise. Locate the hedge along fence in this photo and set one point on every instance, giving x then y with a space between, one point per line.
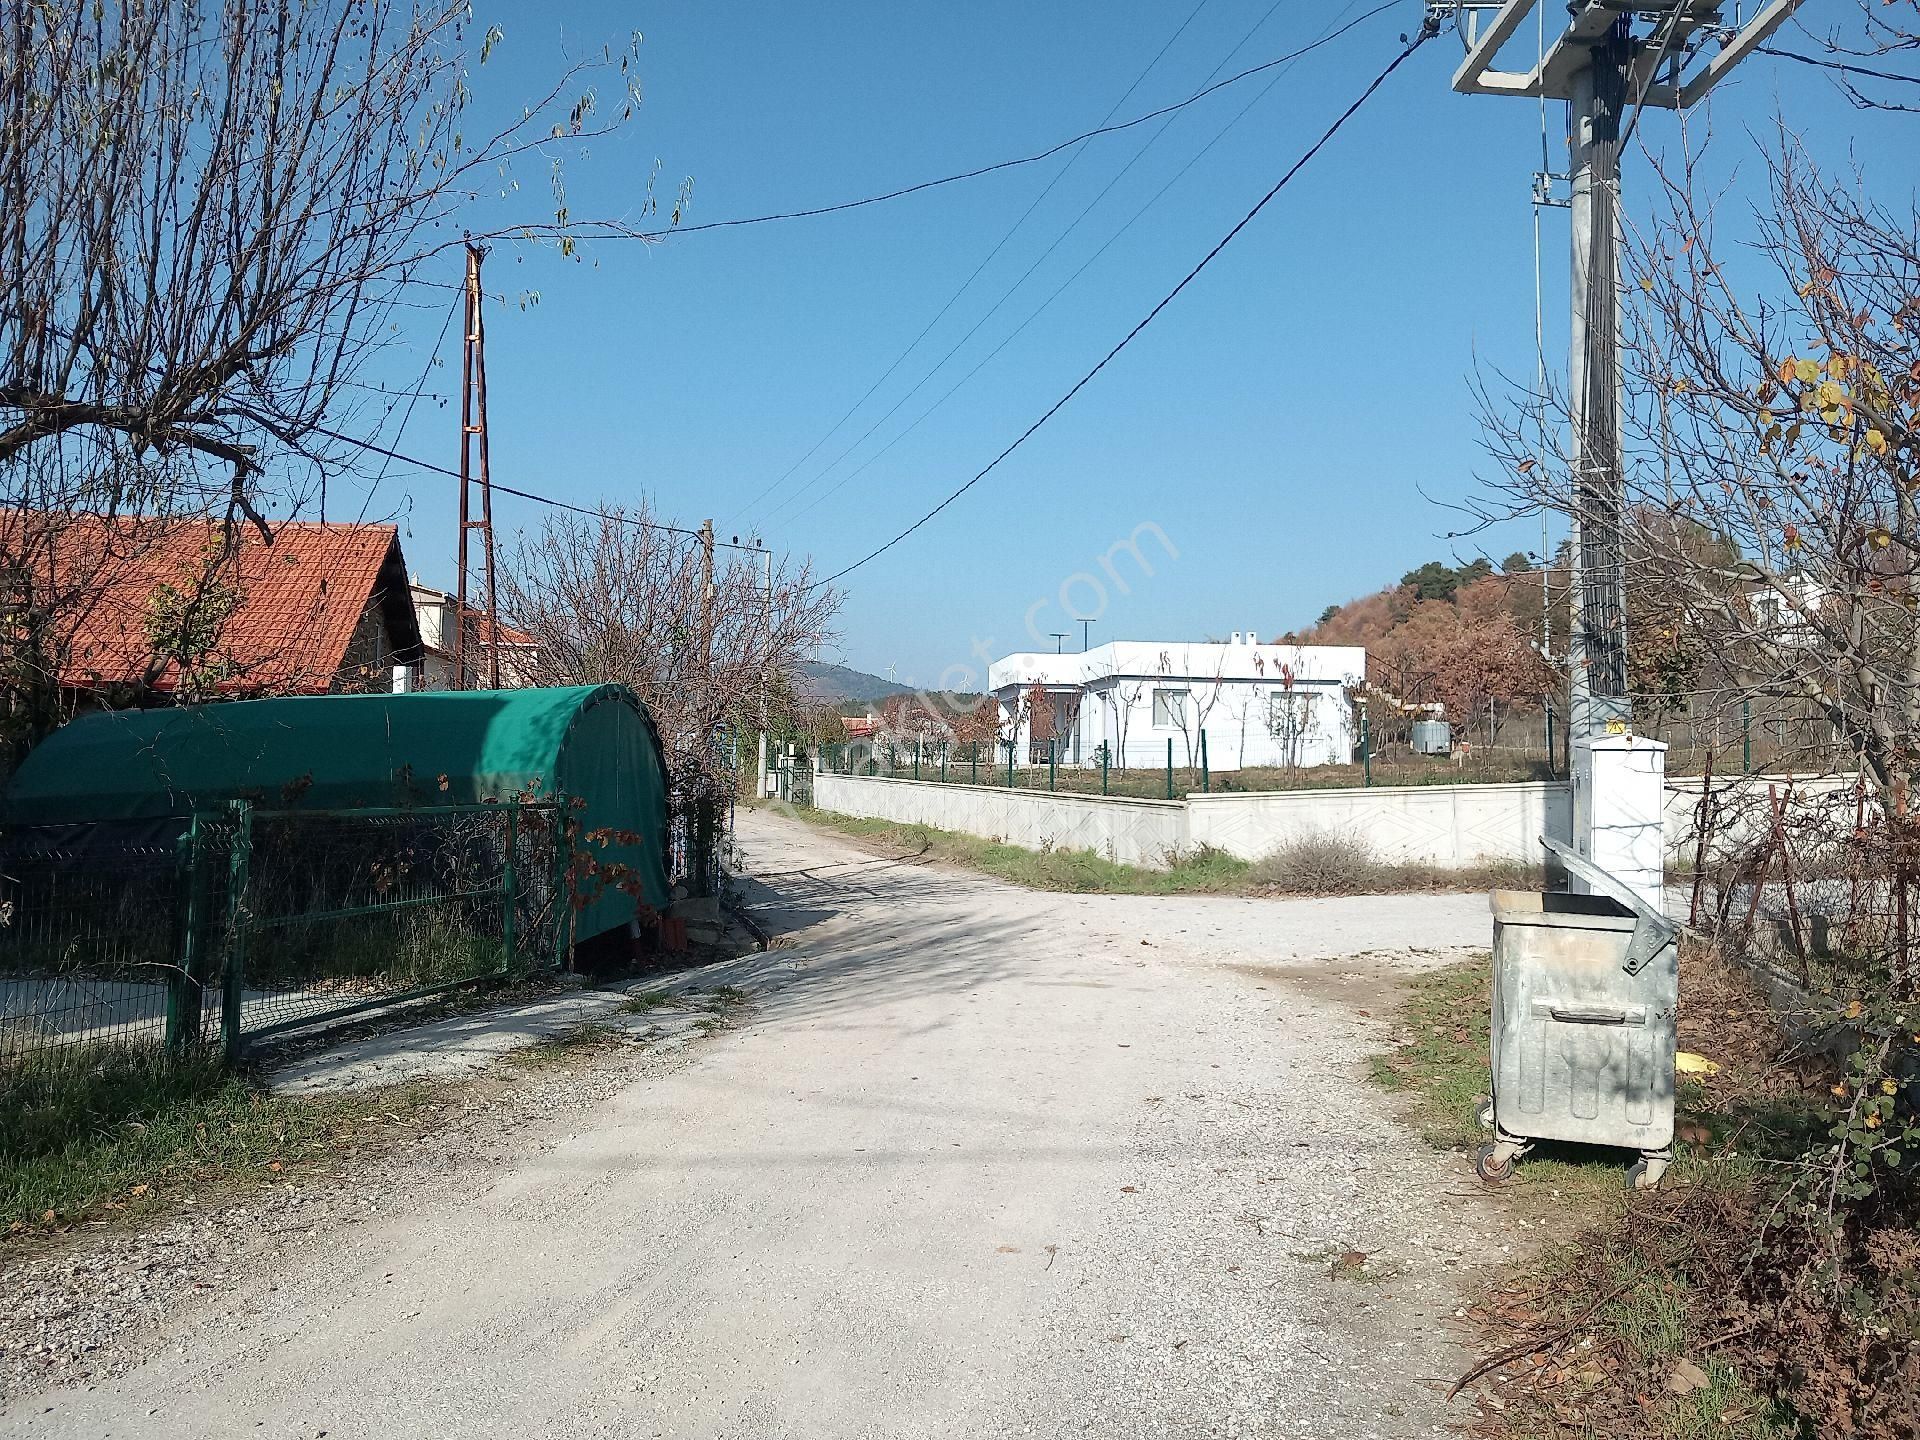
237 924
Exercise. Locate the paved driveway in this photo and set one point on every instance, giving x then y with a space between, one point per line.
981 1162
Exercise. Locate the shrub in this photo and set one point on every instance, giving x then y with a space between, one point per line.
1323 862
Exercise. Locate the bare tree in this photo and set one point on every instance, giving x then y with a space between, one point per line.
1771 524
1772 427
1191 721
617 597
216 212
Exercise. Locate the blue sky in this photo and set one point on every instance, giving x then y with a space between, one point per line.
1294 424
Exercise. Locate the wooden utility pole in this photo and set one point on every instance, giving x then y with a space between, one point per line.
473 422
706 599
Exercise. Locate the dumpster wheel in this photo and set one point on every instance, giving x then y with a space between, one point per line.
1647 1172
1490 1171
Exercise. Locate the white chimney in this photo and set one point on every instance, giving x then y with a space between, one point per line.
1236 638
1253 637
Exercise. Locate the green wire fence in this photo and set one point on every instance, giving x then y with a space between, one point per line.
231 926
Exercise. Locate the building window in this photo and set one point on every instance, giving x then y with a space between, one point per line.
1289 715
1169 709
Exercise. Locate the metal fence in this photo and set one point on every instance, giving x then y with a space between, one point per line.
699 826
233 926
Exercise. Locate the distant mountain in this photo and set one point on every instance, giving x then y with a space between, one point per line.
837 684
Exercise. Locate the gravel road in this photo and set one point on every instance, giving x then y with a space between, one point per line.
979 1162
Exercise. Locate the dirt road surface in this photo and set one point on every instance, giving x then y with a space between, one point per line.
979 1162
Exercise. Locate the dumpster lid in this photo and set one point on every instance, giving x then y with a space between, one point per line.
1558 909
1652 931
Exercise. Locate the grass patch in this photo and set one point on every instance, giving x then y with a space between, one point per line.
1441 1063
553 1050
647 1003
117 1130
1203 871
1076 871
721 1007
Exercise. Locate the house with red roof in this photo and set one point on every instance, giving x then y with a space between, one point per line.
141 610
435 609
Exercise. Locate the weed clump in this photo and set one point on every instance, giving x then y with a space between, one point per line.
1331 862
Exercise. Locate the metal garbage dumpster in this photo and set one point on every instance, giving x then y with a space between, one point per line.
1585 989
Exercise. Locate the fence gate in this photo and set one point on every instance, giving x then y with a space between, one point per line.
793 778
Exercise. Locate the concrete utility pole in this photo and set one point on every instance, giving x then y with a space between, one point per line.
473 422
1606 73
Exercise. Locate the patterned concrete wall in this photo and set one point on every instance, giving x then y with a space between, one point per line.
1428 824
1432 824
1133 832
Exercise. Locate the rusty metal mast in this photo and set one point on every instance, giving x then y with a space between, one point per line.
473 422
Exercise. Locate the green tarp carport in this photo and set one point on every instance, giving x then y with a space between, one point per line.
594 744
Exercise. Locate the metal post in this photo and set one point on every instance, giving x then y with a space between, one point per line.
1169 767
562 887
1053 768
233 986
1366 747
1105 756
916 759
183 985
1206 779
510 891
1746 735
1009 764
976 762
943 762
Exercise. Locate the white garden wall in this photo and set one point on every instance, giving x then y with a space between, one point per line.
1451 825
1133 832
1425 824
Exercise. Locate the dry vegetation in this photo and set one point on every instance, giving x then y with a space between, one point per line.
1704 1309
1315 864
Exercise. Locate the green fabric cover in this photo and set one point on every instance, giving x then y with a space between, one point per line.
594 743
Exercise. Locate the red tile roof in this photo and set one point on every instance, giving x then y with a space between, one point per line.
299 603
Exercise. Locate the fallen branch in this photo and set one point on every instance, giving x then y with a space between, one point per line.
1538 1343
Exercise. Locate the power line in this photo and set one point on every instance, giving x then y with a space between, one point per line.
407 417
1013 289
1058 290
1283 63
1426 32
548 500
375 448
1818 63
975 174
965 285
1061 288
